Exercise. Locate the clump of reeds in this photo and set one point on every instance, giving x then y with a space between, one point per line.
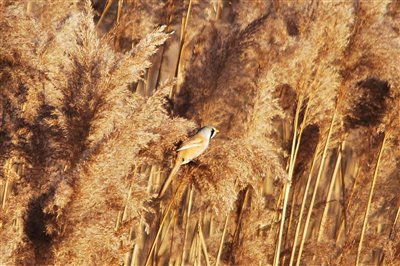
97 96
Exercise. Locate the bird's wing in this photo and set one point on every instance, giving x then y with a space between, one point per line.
195 141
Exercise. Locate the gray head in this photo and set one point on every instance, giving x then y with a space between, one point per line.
208 131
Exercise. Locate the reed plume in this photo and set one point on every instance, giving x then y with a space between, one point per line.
98 95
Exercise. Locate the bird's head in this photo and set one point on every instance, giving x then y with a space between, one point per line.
209 131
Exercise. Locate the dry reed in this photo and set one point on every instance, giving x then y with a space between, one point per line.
97 95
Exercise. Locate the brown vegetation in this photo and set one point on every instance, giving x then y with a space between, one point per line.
96 96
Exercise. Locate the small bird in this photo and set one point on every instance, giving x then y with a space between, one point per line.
189 150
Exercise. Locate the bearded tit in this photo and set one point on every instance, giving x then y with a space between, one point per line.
189 150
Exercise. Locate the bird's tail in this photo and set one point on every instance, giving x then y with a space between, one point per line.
169 179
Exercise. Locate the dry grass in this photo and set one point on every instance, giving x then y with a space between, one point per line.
97 95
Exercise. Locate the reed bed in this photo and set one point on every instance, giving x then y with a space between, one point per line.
97 95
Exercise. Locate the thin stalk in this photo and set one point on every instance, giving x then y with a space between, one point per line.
128 197
122 216
171 246
118 221
395 221
276 212
391 235
203 244
155 251
291 211
236 234
195 248
210 232
219 9
278 248
303 204
170 10
324 219
8 169
165 233
371 192
343 188
239 221
128 255
222 241
147 83
154 175
343 225
278 203
3 204
139 238
185 21
198 250
187 16
119 12
108 5
189 207
193 245
160 227
153 245
288 184
321 167
29 7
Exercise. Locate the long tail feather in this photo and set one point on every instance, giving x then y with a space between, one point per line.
169 179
